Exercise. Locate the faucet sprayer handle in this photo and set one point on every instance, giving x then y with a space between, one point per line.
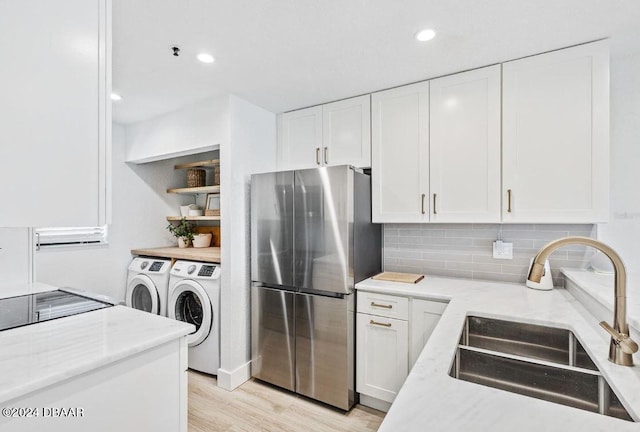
626 344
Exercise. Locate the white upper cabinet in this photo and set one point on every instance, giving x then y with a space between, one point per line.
399 154
337 133
55 112
464 152
300 139
556 136
346 132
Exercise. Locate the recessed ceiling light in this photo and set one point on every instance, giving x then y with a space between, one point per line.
425 35
116 97
205 58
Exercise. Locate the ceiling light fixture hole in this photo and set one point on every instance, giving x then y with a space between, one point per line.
425 35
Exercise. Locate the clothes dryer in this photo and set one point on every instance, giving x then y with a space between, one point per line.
147 285
194 297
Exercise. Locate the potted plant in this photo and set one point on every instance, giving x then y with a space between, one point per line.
182 231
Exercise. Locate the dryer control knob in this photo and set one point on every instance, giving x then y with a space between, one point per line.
144 265
191 269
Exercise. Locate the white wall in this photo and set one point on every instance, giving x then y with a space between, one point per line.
192 129
140 205
623 230
251 148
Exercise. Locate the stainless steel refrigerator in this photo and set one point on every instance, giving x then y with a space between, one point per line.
312 240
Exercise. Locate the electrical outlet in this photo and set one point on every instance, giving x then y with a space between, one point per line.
502 250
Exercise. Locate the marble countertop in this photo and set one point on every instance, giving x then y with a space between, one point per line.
432 400
600 287
36 356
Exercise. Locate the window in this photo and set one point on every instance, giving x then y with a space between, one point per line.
76 236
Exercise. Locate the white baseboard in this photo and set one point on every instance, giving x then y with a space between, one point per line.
374 403
230 380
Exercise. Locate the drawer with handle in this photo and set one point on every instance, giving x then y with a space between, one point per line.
383 305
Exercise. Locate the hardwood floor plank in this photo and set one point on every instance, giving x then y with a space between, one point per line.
257 406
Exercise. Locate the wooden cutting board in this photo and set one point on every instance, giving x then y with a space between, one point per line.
398 277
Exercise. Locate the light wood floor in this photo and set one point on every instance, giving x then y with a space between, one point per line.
255 406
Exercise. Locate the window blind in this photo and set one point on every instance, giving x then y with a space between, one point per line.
75 236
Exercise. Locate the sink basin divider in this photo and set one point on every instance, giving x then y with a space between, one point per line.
603 395
526 360
572 349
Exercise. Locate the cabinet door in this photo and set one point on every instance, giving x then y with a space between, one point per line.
300 139
54 112
381 356
399 154
346 132
464 147
556 136
425 315
15 255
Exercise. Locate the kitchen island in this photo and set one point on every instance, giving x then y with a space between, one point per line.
110 369
431 399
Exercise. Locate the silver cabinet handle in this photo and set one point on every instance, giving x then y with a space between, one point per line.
379 323
434 204
508 200
318 155
326 157
423 196
381 305
37 241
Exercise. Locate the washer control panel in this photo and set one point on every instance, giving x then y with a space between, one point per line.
150 265
196 270
156 266
206 270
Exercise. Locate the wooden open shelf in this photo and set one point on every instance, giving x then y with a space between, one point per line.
195 190
193 218
210 254
200 164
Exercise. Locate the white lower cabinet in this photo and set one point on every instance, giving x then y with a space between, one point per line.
144 392
382 356
425 315
387 348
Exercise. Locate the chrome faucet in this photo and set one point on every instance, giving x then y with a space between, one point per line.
622 346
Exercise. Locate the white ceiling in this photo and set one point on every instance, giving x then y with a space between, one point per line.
288 54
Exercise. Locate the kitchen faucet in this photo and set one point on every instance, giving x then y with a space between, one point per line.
622 346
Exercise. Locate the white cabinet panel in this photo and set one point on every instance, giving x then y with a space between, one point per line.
347 132
556 136
382 356
464 146
425 315
300 139
54 111
389 306
144 392
338 133
15 255
399 154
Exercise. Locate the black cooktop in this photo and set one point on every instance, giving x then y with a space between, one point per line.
45 306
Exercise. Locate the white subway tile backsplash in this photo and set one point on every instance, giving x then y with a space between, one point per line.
465 250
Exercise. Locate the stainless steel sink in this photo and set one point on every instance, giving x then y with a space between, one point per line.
542 362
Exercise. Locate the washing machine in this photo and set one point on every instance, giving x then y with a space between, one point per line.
194 297
148 284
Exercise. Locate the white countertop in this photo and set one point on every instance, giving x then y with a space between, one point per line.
600 287
432 400
36 356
